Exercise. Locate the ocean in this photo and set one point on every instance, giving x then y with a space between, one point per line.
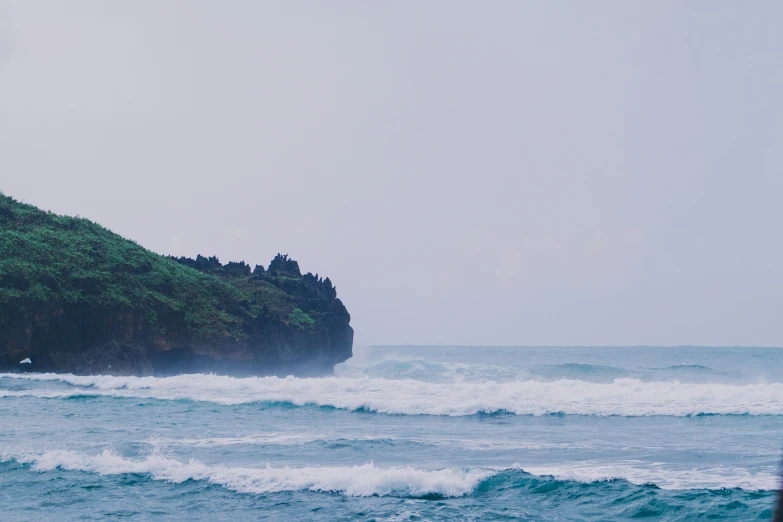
407 433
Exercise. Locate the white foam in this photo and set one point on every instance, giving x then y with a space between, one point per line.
359 481
625 397
665 476
369 480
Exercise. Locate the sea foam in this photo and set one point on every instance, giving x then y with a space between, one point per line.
358 481
370 480
622 397
661 475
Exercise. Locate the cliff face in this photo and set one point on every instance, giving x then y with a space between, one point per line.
74 297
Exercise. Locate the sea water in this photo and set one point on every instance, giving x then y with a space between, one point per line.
406 433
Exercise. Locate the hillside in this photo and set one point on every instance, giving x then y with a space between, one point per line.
76 297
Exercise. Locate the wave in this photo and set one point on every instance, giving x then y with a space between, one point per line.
369 480
267 439
580 371
661 475
287 439
357 481
582 367
697 367
621 397
429 371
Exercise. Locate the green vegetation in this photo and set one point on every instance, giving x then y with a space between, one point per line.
58 261
300 319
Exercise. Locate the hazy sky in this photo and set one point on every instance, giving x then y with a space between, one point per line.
465 172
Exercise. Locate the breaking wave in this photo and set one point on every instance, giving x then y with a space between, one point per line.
369 480
356 481
621 397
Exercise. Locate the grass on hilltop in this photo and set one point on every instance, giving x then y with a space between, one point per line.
51 259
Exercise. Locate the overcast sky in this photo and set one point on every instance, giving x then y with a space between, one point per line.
465 172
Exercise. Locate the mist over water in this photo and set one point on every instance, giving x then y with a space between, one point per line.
404 432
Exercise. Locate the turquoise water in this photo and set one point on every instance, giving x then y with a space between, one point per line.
407 433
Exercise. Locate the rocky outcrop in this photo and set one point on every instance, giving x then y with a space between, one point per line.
77 338
76 298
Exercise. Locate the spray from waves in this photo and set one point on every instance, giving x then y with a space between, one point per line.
368 480
621 397
356 481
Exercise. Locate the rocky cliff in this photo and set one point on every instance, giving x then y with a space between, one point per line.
75 297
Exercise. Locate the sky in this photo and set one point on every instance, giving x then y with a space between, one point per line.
474 173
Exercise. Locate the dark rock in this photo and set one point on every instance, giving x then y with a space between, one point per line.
283 266
112 358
